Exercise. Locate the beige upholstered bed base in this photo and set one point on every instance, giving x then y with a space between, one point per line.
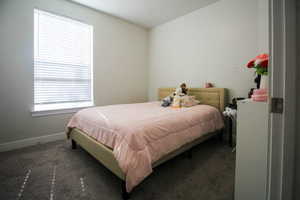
105 155
211 96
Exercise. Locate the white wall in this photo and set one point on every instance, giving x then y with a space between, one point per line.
211 44
120 64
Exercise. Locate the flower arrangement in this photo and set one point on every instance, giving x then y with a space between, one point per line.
260 64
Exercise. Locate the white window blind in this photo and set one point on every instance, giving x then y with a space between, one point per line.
62 62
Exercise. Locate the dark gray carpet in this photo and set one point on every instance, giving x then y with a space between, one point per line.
208 175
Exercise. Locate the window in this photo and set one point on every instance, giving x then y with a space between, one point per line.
63 62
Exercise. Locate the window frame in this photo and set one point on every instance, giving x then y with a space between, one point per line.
63 108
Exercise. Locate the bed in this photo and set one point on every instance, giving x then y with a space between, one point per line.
131 157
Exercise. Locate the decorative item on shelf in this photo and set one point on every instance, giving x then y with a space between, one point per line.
208 85
260 95
257 81
264 82
260 64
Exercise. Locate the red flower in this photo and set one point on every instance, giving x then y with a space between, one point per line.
264 63
251 63
261 60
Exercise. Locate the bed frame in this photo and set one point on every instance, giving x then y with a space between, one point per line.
211 96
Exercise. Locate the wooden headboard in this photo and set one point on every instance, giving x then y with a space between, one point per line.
211 96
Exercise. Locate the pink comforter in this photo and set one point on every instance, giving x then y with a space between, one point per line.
140 134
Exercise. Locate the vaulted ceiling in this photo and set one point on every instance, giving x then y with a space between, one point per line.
147 13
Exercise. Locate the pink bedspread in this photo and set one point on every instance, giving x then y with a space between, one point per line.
140 134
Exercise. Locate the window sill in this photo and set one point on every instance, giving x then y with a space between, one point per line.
40 113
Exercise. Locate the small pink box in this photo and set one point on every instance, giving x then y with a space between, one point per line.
260 95
260 91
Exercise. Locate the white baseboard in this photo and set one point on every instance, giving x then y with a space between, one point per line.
31 141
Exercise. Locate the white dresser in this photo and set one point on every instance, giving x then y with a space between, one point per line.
251 151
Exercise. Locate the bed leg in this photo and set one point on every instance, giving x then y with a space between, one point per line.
74 145
125 194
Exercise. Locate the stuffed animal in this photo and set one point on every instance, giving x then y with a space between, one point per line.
179 93
167 101
208 85
230 112
176 102
174 99
184 88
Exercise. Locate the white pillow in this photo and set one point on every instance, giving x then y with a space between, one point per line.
188 101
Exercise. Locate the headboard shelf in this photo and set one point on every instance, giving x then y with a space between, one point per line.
211 96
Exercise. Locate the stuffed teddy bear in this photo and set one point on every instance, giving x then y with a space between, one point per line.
181 91
184 89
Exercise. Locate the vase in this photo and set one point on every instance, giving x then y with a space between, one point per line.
264 82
